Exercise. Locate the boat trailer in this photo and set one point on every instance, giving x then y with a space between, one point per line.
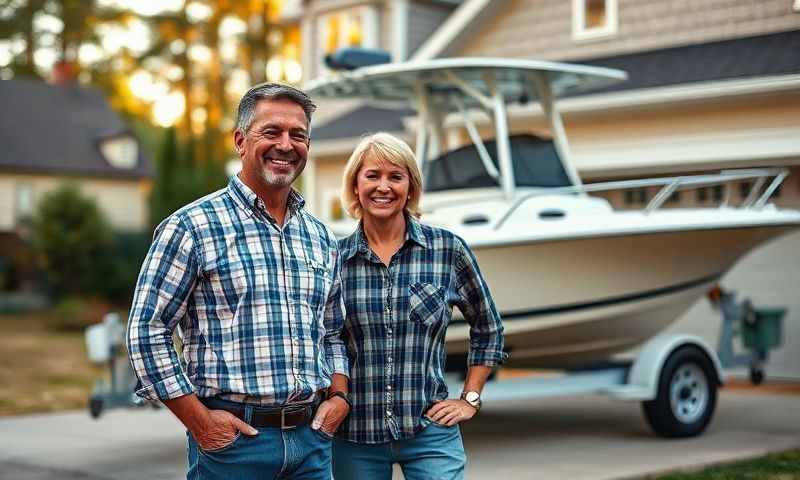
674 376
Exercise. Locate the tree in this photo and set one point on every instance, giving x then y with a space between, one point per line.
73 241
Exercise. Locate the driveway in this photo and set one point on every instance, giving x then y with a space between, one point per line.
558 438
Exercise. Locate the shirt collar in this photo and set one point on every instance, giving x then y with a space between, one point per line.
357 243
248 200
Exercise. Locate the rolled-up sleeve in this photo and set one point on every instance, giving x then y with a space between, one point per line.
335 350
165 284
476 304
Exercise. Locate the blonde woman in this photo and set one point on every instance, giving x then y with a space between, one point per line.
400 280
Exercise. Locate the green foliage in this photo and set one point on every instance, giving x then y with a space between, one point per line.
74 314
778 466
180 177
73 241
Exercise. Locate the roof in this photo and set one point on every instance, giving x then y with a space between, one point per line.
762 55
58 129
361 120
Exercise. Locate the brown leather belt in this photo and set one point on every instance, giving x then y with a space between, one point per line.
285 418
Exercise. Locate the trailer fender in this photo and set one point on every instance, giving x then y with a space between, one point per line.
644 374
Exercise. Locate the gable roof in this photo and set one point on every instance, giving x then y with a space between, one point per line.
757 56
58 129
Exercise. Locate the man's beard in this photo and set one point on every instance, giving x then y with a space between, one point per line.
279 180
282 179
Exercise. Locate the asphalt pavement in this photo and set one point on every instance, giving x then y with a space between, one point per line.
590 437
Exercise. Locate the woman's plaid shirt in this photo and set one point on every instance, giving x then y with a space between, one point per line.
395 327
259 307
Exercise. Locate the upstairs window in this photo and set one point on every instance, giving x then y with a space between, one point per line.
121 152
353 27
593 19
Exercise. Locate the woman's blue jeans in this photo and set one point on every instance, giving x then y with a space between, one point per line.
435 453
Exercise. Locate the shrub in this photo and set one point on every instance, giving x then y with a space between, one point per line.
73 242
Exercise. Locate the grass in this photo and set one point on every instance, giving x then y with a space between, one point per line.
42 370
778 466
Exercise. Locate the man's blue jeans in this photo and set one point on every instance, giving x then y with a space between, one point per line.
436 452
299 453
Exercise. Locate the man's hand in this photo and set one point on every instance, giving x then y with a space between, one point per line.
330 415
451 412
220 429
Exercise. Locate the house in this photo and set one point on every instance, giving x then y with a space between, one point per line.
712 86
52 134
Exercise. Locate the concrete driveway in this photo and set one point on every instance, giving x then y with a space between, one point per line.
556 438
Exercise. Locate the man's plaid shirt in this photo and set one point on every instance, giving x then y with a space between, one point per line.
395 327
259 307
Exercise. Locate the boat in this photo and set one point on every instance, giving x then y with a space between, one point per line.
575 280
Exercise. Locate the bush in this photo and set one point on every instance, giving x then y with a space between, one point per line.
73 242
74 314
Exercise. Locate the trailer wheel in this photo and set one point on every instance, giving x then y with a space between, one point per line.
686 396
95 407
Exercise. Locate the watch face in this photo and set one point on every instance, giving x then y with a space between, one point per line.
471 397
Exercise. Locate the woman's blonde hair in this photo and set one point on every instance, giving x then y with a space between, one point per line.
385 147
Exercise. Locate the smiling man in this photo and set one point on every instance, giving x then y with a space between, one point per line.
253 281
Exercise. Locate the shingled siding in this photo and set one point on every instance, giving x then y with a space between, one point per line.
423 19
543 28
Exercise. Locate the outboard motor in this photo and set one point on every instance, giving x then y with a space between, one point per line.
355 57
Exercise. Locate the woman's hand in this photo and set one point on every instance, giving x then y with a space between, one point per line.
451 412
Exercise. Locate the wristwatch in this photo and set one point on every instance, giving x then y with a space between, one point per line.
473 398
340 394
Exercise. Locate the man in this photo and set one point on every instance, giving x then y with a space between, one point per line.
253 281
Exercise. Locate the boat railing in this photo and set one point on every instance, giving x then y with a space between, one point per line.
670 185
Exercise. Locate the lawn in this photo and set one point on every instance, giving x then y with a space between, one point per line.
42 370
778 466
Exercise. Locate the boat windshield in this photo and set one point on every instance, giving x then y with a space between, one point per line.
535 160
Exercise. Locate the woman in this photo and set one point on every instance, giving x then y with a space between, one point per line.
400 280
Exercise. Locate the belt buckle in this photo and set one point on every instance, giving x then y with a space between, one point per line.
283 421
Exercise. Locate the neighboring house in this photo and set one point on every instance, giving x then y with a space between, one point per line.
712 86
54 134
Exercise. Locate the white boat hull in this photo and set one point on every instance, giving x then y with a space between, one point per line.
576 302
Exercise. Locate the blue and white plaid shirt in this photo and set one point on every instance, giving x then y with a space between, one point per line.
259 306
395 327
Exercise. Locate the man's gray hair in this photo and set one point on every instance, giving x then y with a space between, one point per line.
270 91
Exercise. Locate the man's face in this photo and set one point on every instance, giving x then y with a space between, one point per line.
275 148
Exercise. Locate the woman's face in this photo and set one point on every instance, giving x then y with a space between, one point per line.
382 188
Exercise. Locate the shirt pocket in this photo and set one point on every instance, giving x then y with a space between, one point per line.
426 302
315 283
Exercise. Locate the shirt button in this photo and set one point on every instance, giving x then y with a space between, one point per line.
389 359
389 331
388 387
388 413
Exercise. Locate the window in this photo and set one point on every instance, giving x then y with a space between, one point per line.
744 189
354 27
636 196
23 201
121 152
593 19
702 194
717 193
675 197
